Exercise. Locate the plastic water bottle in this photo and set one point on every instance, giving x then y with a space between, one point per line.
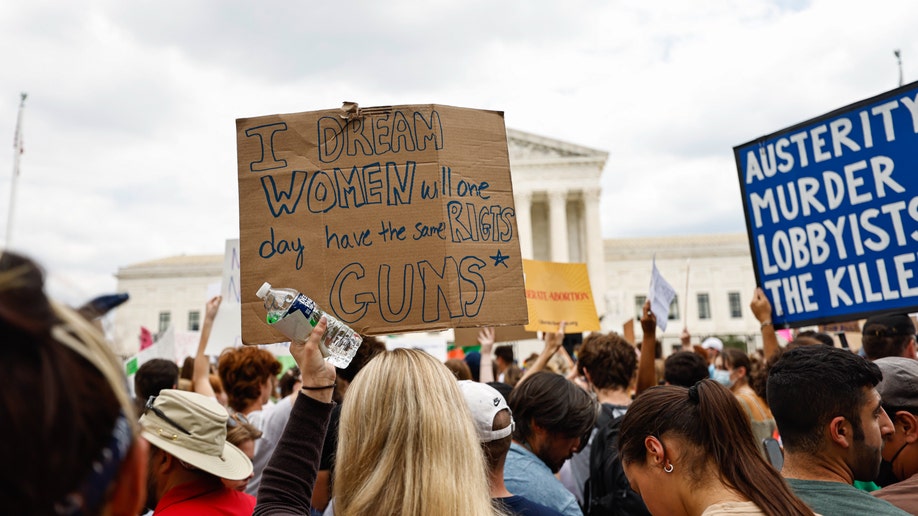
294 315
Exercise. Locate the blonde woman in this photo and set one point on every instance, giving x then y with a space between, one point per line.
404 442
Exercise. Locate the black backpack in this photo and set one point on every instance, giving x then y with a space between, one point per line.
607 491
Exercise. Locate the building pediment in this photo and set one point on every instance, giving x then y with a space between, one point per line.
527 148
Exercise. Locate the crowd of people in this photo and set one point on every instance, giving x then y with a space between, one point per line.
607 429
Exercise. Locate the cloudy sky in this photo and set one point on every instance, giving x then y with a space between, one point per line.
129 125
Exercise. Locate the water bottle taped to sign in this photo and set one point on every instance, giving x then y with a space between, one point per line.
294 314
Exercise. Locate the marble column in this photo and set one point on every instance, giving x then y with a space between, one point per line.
557 206
522 202
594 247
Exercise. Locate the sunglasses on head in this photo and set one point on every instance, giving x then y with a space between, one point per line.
149 406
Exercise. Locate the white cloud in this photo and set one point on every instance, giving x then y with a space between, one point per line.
130 135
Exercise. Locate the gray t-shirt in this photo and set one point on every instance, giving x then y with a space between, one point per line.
271 420
839 499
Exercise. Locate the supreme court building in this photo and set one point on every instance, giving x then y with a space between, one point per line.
557 192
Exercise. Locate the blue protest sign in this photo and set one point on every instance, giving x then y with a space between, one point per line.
832 211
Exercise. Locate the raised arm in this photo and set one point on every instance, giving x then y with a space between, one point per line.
553 343
486 339
761 308
200 378
686 338
290 476
647 376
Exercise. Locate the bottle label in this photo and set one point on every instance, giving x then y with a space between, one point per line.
305 306
295 326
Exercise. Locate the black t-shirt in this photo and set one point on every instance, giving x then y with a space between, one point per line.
327 461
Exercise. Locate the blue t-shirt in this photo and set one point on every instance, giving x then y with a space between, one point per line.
527 476
518 505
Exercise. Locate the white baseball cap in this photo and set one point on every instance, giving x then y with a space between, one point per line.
484 403
713 343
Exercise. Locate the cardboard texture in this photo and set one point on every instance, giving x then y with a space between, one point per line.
466 337
628 330
393 219
558 292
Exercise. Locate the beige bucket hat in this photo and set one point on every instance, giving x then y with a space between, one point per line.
192 428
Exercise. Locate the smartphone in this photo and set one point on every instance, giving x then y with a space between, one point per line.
774 452
843 339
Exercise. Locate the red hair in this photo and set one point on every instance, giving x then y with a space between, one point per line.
243 371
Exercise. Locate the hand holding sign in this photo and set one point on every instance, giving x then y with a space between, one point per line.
648 320
760 306
318 374
553 342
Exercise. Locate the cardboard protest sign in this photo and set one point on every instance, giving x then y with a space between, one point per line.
558 292
393 219
466 337
832 211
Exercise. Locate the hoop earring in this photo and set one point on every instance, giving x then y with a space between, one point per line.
668 468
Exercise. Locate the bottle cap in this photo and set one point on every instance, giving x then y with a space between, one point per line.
263 291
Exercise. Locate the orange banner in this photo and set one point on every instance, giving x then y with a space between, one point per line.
558 292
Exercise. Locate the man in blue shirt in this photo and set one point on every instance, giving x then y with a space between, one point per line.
553 419
494 423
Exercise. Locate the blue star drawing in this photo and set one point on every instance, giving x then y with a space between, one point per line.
500 258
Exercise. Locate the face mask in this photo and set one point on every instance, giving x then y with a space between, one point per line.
722 377
886 476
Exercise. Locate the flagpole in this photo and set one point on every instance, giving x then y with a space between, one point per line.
688 263
17 152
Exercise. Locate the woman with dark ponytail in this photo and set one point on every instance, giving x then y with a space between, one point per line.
71 441
690 452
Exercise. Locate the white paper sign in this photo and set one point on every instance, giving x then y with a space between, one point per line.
227 329
661 296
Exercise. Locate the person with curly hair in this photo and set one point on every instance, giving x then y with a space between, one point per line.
246 374
609 364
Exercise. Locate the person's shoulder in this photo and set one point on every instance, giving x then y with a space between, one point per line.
829 497
519 452
818 485
229 501
277 414
903 495
524 507
733 509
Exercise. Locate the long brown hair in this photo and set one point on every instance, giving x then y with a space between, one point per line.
708 417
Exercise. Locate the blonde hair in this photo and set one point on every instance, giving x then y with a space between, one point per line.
406 442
